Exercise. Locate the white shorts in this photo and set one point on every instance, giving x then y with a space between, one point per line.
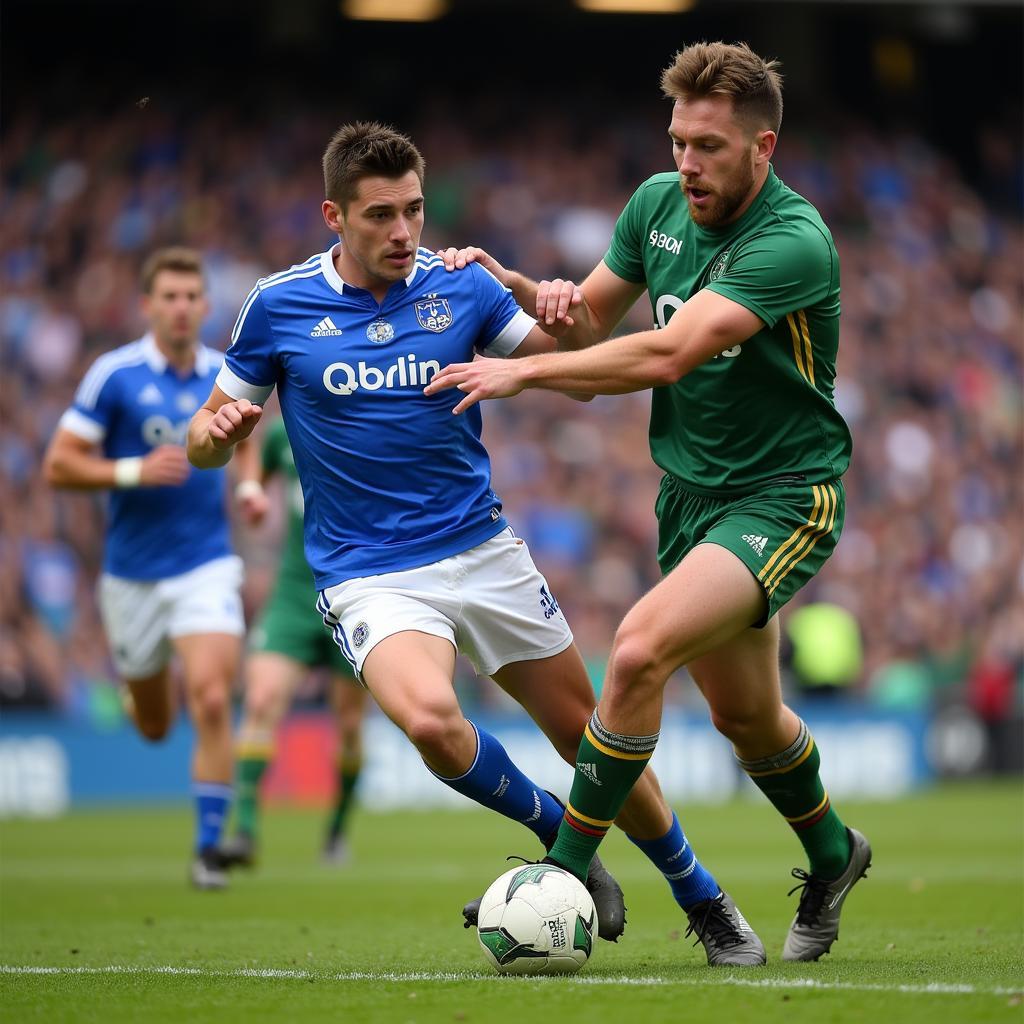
141 616
490 602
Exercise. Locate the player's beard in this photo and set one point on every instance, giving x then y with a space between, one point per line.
724 201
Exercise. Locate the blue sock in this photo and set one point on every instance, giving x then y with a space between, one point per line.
494 781
212 800
673 856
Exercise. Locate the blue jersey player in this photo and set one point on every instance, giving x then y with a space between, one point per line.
412 557
170 581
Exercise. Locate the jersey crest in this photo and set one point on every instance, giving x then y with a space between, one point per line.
434 314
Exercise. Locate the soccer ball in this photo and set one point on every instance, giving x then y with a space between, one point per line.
537 919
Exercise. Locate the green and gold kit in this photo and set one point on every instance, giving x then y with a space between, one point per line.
763 409
751 442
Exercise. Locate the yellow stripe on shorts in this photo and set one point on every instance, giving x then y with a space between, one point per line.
794 537
824 529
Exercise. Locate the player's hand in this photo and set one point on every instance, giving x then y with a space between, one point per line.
252 501
166 466
480 379
233 422
556 302
456 259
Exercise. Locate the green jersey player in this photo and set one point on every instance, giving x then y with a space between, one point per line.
286 642
743 279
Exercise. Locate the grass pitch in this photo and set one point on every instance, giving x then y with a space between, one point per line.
97 924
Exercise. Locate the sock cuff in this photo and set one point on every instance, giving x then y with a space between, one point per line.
254 751
469 771
795 754
619 744
219 790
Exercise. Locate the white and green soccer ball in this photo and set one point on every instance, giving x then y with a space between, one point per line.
537 919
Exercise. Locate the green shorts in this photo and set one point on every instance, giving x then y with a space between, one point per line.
783 533
291 625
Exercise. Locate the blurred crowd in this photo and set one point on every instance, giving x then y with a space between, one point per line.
931 564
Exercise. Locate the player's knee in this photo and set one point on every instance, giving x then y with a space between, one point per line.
434 732
634 665
261 707
211 703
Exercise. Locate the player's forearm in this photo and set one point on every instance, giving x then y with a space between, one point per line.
615 367
201 451
82 472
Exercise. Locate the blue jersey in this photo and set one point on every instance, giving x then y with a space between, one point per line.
130 402
391 479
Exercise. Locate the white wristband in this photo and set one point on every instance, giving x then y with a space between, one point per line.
128 472
245 489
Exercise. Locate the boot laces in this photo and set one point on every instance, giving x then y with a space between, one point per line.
713 923
812 898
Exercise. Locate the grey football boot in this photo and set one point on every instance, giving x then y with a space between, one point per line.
723 931
207 871
606 893
816 925
238 850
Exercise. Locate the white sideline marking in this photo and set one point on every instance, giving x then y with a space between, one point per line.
929 989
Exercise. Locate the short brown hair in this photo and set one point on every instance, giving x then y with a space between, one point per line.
176 258
728 69
367 149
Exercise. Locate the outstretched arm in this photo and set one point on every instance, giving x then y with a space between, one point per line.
578 315
704 326
218 426
73 462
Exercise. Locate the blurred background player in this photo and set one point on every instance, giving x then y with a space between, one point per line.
170 582
286 642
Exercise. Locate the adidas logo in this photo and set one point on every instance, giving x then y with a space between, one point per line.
150 395
589 769
325 329
757 543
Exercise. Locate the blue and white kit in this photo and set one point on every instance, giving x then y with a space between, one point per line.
390 478
169 570
130 402
392 481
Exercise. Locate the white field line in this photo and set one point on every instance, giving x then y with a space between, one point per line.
929 989
155 870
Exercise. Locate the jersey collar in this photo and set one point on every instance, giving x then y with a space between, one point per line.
337 282
157 361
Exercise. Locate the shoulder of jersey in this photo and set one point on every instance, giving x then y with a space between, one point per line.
310 268
427 262
121 358
663 178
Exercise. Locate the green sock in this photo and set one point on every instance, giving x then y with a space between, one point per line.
791 782
607 766
348 776
249 770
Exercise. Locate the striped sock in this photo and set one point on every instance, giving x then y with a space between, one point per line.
495 782
251 765
212 800
791 781
607 766
672 855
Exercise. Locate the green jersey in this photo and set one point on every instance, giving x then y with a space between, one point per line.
759 410
276 457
